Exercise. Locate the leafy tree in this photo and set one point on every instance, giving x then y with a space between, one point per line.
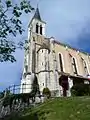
11 25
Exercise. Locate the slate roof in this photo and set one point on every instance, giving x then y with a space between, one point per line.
37 14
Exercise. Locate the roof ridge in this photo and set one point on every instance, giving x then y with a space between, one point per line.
58 42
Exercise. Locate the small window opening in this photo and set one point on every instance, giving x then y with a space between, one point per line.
37 28
41 29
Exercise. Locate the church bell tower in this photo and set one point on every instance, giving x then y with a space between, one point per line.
36 35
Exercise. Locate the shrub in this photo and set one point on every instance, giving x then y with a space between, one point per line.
80 90
8 100
46 92
35 87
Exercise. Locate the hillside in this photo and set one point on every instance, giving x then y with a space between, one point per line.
77 108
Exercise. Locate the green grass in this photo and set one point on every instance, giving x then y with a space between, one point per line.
77 108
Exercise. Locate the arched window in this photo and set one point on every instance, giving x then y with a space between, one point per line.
41 29
33 38
37 28
74 65
26 68
61 64
89 58
85 66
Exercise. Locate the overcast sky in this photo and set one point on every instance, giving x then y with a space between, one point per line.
67 20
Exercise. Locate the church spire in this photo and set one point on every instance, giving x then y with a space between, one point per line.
37 14
36 24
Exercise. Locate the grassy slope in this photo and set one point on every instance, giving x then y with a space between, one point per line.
77 108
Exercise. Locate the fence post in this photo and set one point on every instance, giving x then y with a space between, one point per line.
9 88
13 89
22 87
5 94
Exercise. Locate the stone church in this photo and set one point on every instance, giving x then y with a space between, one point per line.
56 65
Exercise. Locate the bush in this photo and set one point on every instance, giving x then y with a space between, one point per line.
46 92
8 100
80 90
